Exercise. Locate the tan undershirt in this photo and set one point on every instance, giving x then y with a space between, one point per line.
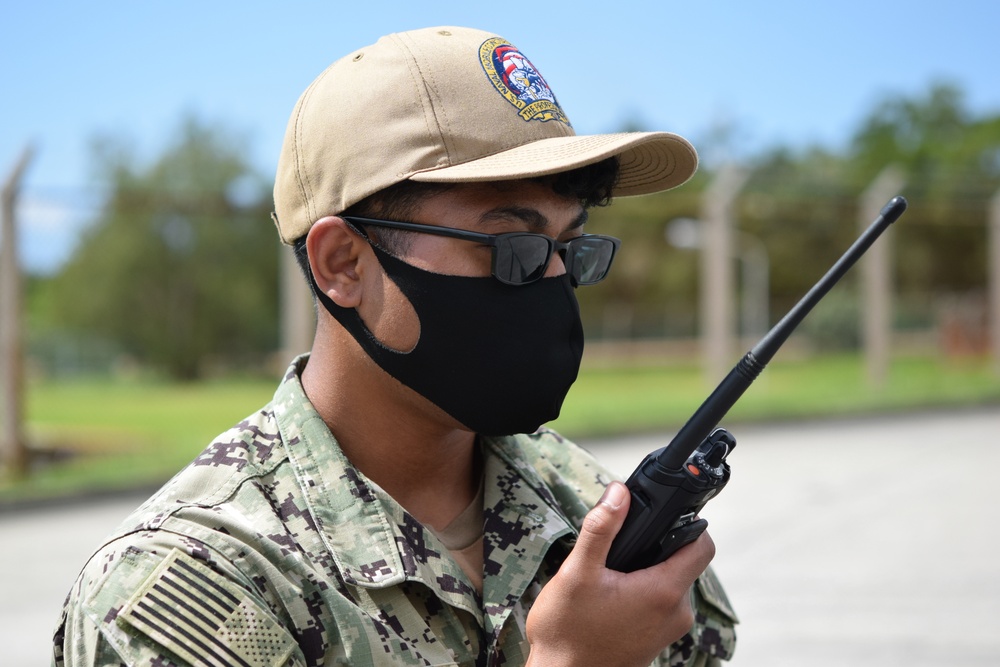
463 538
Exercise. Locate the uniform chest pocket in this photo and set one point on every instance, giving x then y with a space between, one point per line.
406 625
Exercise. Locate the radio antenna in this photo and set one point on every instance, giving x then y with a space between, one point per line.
715 407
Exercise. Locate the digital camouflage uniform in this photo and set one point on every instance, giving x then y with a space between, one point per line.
272 549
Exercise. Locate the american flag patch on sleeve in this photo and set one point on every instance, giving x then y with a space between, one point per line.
194 612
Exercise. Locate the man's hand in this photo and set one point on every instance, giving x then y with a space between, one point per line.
591 615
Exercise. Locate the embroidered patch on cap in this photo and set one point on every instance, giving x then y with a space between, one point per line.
519 82
191 610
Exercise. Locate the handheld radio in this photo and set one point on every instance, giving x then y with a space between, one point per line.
673 483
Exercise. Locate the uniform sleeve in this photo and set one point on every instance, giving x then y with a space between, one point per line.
162 606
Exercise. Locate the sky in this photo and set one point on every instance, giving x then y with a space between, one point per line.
775 73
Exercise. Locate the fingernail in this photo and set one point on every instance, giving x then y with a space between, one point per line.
614 495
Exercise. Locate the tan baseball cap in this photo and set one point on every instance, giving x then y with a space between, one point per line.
444 105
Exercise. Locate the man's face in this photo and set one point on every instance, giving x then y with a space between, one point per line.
490 208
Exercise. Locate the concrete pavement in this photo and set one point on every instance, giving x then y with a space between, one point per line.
860 542
864 542
41 552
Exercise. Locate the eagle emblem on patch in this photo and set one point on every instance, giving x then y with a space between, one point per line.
519 81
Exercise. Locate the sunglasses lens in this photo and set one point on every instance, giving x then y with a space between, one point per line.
521 258
591 258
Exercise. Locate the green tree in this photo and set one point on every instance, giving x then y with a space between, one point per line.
951 159
651 291
180 267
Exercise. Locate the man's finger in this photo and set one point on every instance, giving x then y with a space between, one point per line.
688 562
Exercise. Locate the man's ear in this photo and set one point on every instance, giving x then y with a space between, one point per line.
334 250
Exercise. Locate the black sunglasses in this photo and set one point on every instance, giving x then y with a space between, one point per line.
520 258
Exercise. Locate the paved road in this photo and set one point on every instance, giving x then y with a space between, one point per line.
871 542
863 542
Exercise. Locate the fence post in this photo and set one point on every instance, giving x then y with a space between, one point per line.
13 446
717 276
875 268
993 266
297 312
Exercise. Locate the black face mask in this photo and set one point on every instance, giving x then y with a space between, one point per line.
498 358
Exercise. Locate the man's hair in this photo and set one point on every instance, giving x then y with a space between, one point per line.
592 185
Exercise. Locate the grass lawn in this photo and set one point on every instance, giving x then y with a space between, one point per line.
106 434
101 434
649 397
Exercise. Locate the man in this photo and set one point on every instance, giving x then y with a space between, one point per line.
388 508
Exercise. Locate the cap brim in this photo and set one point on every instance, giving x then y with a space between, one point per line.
649 161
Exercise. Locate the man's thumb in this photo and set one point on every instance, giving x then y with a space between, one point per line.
602 523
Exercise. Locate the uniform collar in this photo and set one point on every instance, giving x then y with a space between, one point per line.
375 543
